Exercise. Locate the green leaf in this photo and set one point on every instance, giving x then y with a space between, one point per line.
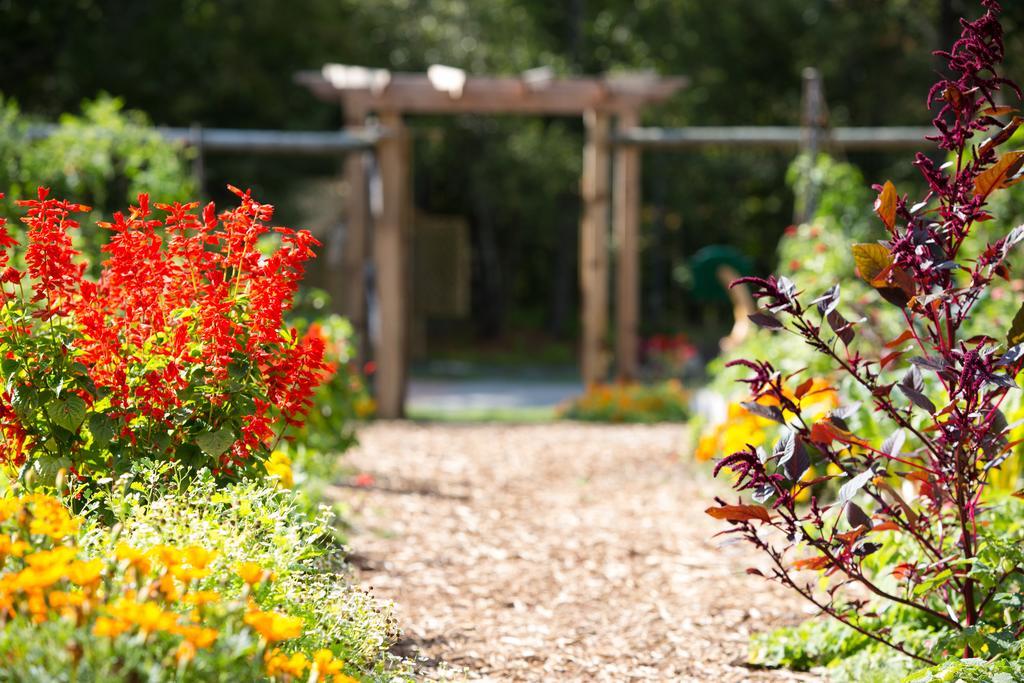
102 429
67 412
215 443
871 260
47 467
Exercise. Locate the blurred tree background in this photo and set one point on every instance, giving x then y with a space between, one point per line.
228 63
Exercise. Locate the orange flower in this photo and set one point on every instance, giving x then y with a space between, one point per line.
200 598
198 556
135 558
85 573
278 663
325 664
250 572
111 628
199 636
274 627
185 653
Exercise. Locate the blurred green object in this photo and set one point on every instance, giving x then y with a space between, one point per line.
705 264
341 401
638 403
104 158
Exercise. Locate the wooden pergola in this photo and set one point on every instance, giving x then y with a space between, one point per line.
363 92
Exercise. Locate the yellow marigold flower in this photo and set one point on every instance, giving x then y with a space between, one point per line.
11 548
61 599
326 664
37 578
185 652
6 602
278 663
50 517
167 555
199 636
250 572
168 588
198 556
51 558
135 558
9 507
188 574
273 626
148 616
85 573
110 628
37 606
200 598
707 446
279 465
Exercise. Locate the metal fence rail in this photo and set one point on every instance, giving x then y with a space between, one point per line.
784 137
258 141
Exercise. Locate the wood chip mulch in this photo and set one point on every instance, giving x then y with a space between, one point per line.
558 552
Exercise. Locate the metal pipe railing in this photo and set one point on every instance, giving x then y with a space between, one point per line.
787 137
257 141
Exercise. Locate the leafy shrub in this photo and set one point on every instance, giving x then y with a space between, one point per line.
853 656
848 656
920 540
630 402
343 399
972 670
105 157
193 583
176 351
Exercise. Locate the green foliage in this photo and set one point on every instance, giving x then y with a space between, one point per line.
247 551
343 399
852 656
842 215
848 656
971 671
104 157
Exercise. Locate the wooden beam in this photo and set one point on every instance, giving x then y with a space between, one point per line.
348 278
413 93
626 228
389 250
594 247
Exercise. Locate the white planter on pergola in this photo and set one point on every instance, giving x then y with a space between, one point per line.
445 90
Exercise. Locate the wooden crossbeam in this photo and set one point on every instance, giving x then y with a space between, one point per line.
415 93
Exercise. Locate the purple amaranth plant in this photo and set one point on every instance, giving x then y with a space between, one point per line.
938 387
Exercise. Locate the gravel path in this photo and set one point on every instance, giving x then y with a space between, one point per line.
559 552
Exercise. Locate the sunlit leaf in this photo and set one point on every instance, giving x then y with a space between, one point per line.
885 205
994 177
871 260
848 490
67 412
215 443
739 513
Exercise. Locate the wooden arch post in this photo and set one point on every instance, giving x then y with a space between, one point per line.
389 254
349 285
626 221
594 246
